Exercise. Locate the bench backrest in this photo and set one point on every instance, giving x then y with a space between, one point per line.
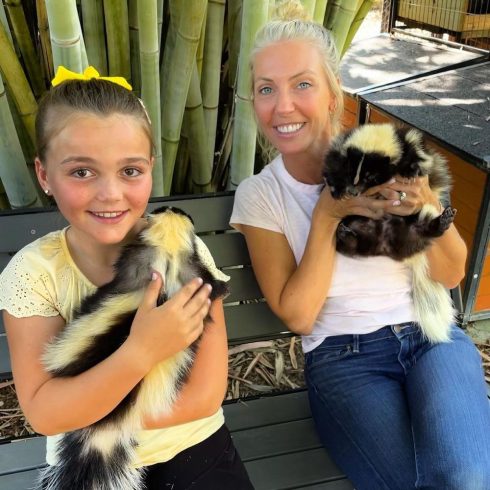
248 318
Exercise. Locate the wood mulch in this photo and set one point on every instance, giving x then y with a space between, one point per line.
254 369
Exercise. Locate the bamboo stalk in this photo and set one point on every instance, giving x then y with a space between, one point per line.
134 46
356 23
94 34
245 129
17 82
13 170
3 20
234 25
160 9
309 7
44 40
211 72
117 31
345 16
201 166
320 9
150 81
65 34
181 60
26 46
200 46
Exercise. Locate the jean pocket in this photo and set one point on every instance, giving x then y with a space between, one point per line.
327 354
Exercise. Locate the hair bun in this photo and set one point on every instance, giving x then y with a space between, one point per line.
287 10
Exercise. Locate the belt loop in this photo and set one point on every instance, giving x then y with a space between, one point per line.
355 344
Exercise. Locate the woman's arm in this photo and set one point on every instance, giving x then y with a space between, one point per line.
55 405
205 389
447 254
296 293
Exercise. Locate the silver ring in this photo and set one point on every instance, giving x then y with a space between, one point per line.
402 195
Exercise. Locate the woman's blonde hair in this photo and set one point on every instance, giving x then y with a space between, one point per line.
290 22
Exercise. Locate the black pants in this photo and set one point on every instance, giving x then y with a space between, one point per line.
213 464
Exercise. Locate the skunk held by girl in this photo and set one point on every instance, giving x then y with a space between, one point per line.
98 457
371 155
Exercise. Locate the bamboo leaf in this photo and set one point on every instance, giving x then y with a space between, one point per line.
356 23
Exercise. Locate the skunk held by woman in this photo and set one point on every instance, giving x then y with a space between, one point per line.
98 457
371 155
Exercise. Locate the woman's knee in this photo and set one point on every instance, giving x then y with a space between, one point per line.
474 475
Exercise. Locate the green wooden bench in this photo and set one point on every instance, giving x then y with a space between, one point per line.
274 434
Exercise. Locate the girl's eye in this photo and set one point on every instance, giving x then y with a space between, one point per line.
131 172
265 90
304 84
82 173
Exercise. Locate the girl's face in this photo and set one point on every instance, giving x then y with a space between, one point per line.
292 98
98 170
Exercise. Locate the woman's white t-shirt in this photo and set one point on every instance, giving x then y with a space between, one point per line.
365 293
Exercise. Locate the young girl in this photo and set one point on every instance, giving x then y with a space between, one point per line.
394 411
94 156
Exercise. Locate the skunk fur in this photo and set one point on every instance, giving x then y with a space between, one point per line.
371 155
99 456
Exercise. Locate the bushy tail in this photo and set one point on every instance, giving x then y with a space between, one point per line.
93 460
433 306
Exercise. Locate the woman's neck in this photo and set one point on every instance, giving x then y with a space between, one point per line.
305 168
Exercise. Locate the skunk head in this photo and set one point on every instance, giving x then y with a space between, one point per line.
362 158
170 229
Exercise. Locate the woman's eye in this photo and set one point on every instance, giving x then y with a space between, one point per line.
265 90
304 84
131 172
82 173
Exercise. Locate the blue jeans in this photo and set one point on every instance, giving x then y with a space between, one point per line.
395 412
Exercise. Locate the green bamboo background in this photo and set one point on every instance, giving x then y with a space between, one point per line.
186 59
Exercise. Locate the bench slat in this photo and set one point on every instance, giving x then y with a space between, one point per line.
19 481
254 321
293 470
22 455
210 214
243 285
5 369
227 249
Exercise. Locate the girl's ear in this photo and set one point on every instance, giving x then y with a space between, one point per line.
41 173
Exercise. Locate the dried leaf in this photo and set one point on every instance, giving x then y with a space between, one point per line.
252 364
279 365
250 346
292 353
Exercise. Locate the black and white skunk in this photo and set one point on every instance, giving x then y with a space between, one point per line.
99 456
371 155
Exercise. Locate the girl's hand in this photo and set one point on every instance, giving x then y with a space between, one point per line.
406 196
160 332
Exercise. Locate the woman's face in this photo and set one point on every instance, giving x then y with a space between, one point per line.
98 170
292 98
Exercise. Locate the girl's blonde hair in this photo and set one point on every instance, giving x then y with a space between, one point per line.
290 23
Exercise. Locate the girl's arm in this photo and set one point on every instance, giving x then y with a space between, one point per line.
204 391
297 292
55 405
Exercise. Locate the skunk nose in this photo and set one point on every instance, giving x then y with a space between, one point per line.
353 191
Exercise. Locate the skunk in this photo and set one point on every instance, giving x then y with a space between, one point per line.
98 457
371 155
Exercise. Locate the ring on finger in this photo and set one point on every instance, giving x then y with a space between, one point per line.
402 195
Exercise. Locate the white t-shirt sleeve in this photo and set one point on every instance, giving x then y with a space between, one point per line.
253 206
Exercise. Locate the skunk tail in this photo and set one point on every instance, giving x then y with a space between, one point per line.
432 304
93 460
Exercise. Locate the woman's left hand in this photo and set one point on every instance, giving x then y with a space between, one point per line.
406 196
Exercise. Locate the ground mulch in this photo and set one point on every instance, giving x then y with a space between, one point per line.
254 369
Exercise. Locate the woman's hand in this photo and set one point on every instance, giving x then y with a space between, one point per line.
404 197
363 205
159 332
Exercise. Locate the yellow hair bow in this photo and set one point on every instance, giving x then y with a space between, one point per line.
63 74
